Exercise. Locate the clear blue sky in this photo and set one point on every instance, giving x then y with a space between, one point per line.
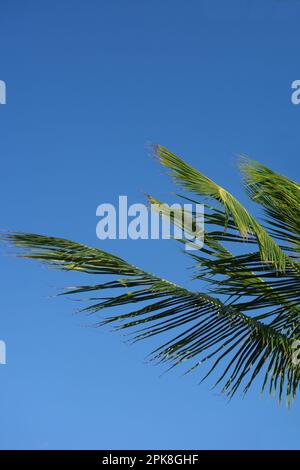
89 84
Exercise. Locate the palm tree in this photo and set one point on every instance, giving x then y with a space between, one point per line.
249 318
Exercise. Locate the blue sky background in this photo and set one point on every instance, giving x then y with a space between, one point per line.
89 84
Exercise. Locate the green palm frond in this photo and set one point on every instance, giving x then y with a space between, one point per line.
280 198
242 276
247 319
194 181
208 328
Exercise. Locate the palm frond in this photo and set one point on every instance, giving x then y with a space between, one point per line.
206 328
249 315
241 277
194 181
280 198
